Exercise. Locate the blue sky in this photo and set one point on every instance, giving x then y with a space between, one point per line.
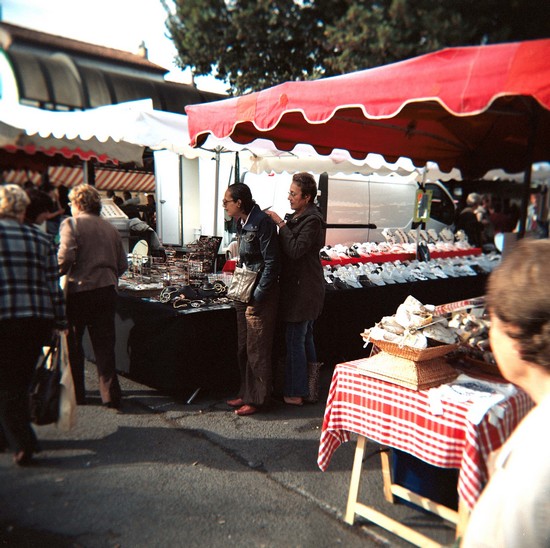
120 24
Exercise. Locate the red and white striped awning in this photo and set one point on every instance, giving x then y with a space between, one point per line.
105 179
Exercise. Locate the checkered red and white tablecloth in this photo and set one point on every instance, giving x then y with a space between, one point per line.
402 418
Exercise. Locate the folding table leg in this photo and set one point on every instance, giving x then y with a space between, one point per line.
386 475
463 517
374 516
355 479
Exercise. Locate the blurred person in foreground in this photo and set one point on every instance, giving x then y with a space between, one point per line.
92 255
302 288
259 250
31 307
514 508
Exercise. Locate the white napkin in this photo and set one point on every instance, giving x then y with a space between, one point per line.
485 395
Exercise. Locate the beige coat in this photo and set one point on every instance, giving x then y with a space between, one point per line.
91 248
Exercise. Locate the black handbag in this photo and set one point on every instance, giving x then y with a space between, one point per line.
45 388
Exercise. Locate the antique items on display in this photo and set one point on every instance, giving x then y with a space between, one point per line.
181 297
369 274
397 241
186 279
472 324
418 346
396 260
202 254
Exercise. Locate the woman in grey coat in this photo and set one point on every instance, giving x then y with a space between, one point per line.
302 288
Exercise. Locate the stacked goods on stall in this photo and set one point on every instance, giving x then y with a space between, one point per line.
202 254
413 344
458 331
471 322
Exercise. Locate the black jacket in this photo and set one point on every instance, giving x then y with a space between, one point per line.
259 250
467 221
302 280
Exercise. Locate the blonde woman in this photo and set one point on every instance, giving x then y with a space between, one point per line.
92 254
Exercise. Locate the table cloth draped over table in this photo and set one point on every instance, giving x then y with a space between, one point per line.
402 418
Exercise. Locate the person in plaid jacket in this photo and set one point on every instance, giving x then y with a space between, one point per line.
31 306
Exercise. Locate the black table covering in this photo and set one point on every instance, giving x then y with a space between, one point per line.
348 312
178 351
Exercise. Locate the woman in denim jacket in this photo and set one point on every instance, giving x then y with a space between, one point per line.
259 250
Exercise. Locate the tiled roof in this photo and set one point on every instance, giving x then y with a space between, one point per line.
10 34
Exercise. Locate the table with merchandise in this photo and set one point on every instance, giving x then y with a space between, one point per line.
455 425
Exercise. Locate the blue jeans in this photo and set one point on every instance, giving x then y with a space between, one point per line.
300 350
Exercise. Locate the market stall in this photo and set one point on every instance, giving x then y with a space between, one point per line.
406 419
471 108
422 393
347 312
178 348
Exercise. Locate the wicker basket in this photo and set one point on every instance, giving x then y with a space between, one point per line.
410 353
404 372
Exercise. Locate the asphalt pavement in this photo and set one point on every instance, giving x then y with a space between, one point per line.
162 472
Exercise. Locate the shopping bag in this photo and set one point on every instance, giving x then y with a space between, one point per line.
67 398
242 284
45 388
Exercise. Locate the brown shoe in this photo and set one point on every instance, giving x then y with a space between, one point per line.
246 410
237 402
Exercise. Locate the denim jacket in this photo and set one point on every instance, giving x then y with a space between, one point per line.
259 250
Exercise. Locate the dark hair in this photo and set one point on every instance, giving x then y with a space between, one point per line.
40 202
240 191
518 295
306 183
63 193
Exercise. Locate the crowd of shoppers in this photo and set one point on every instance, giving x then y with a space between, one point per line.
33 305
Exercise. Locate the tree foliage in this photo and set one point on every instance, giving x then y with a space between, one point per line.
254 44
